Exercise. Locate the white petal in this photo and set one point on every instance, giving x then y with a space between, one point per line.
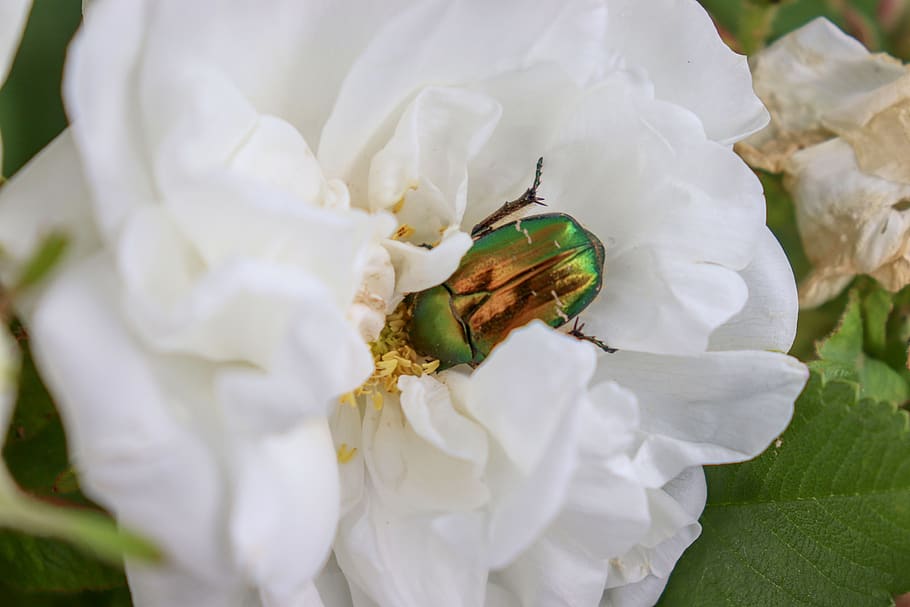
678 46
9 376
333 586
321 357
526 388
428 408
47 195
13 15
286 508
528 395
424 164
678 214
123 423
166 586
412 561
347 433
717 408
413 474
274 153
555 573
100 72
639 578
504 168
451 43
768 320
418 268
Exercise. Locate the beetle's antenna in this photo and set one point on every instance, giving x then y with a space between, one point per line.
528 198
577 334
537 173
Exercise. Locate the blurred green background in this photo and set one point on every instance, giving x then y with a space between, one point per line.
43 572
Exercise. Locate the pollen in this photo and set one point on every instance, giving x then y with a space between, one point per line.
392 358
346 453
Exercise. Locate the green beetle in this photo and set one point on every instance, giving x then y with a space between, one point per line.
546 267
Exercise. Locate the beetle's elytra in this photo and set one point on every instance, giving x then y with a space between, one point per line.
545 267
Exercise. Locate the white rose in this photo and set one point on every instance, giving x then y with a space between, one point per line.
233 163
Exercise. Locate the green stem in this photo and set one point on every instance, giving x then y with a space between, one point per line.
87 529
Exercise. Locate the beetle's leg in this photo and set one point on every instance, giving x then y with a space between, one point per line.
577 334
528 198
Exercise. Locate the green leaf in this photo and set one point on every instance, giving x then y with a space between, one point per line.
843 356
30 564
43 260
822 518
876 310
117 597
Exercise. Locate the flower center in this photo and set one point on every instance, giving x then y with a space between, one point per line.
392 358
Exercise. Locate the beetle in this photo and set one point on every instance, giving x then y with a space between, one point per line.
545 267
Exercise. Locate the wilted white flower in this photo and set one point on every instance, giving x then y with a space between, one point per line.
840 130
231 179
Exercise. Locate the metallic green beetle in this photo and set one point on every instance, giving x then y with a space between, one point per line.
546 267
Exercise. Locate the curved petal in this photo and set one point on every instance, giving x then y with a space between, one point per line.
122 410
423 167
13 15
529 395
47 195
417 268
719 407
286 508
639 578
678 215
411 474
100 102
412 560
439 53
768 320
155 586
676 43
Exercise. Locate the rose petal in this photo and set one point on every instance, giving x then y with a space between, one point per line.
424 164
440 52
767 322
528 395
676 43
676 508
286 508
410 560
719 407
13 15
47 195
122 410
413 474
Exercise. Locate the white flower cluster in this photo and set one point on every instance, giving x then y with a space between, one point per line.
250 186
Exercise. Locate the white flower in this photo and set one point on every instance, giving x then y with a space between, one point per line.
13 14
839 130
230 179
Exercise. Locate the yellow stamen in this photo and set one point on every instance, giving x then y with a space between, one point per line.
403 231
392 358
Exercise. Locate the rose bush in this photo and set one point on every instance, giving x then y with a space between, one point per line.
249 188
